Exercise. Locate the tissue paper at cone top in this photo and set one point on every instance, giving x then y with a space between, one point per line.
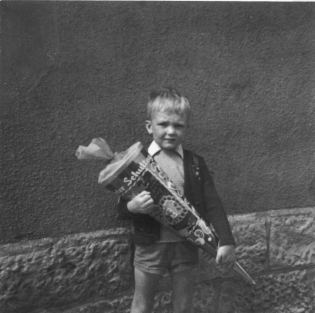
97 149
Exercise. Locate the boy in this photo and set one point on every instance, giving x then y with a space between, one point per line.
158 249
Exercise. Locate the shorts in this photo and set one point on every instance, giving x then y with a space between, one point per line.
158 258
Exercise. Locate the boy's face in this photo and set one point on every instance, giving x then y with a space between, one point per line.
167 128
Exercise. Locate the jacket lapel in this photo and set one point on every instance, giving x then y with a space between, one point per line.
188 190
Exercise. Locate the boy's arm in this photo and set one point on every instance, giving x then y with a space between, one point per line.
214 207
122 210
140 204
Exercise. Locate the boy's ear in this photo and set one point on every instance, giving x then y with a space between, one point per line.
148 126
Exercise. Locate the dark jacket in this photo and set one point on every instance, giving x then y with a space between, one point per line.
200 191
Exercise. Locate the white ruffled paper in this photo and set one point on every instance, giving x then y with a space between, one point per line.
98 149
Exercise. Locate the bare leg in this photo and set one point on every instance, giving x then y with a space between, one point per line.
183 285
145 284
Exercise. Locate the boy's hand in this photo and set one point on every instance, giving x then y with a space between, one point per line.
141 203
226 257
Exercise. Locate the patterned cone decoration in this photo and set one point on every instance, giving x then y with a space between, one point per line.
136 172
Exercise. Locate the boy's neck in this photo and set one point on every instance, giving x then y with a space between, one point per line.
155 148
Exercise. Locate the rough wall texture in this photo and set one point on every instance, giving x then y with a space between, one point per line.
91 273
71 71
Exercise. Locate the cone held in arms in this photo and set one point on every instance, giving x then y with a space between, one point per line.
129 173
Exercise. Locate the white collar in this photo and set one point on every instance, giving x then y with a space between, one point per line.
155 148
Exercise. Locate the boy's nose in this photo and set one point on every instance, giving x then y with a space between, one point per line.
171 130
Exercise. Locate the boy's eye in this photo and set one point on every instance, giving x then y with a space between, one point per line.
179 125
165 124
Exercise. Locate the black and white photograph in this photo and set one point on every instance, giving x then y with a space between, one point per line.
157 156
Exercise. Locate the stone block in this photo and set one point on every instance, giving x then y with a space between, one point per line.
291 292
292 238
250 234
71 269
116 305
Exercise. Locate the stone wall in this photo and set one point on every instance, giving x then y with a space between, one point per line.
91 273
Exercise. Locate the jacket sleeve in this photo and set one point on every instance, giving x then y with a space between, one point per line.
122 210
214 208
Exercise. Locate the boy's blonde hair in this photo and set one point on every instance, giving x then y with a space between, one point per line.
169 100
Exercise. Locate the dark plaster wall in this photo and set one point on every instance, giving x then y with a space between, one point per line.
72 71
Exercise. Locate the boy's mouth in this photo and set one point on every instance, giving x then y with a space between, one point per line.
170 140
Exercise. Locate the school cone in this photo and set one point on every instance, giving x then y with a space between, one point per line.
135 171
237 268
